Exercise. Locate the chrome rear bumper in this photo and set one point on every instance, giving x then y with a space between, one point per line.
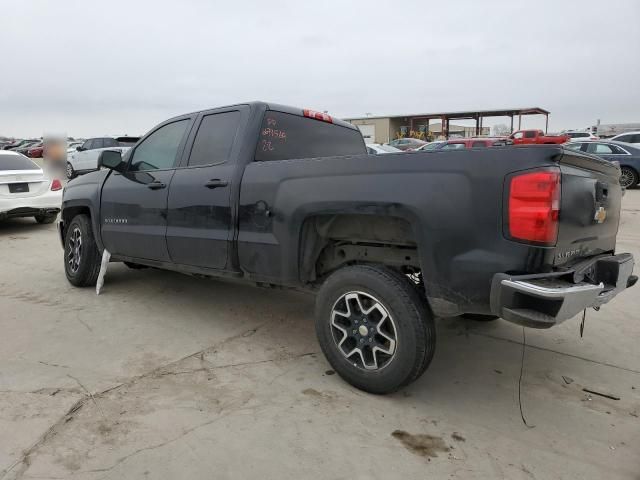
544 300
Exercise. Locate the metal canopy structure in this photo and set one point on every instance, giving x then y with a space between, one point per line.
478 116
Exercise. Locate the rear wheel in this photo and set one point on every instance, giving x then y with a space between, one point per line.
48 218
628 178
81 254
374 328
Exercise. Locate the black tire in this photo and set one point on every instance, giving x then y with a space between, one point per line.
70 172
48 218
478 317
411 320
82 264
629 178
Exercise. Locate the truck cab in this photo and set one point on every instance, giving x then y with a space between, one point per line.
534 136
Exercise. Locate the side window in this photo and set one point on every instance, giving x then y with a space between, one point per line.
214 139
634 138
573 146
452 146
87 145
617 150
97 143
159 150
625 138
530 134
109 142
518 135
285 136
599 148
479 143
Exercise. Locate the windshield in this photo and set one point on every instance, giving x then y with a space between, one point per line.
432 146
388 148
16 162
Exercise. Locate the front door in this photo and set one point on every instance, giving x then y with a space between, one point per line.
134 203
199 206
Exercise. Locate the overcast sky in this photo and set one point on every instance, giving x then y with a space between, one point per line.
113 67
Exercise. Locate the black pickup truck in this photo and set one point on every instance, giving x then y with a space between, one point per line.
287 197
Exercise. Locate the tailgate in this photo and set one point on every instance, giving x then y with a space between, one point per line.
589 209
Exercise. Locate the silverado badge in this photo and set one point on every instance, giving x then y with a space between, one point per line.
601 214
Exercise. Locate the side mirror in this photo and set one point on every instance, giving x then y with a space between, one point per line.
79 148
111 159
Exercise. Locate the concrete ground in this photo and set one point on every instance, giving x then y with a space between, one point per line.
165 376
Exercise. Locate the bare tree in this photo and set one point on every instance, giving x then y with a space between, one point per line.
501 130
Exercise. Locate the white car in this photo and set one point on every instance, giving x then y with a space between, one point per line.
377 148
25 190
85 159
628 137
431 146
580 136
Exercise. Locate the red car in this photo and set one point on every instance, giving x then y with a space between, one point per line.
527 137
478 142
35 151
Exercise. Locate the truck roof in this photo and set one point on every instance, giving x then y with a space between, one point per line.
279 108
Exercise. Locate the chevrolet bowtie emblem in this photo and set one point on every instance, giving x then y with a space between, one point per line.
601 214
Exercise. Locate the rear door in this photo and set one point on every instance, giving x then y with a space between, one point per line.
133 212
199 225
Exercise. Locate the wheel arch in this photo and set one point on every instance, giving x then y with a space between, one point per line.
71 210
329 241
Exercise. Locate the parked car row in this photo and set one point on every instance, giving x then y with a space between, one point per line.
627 155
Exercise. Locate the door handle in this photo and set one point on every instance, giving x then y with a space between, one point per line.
215 183
156 185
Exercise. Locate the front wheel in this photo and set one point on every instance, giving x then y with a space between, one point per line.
374 328
81 255
628 178
70 171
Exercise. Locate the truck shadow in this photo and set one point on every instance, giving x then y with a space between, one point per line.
20 226
280 326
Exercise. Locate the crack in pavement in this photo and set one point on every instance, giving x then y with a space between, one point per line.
545 349
25 460
186 432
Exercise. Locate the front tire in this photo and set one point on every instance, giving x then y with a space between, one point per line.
628 178
81 255
70 172
374 328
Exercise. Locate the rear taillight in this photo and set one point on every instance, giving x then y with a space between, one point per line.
534 206
56 185
317 115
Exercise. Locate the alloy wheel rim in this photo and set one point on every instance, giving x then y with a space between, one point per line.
626 178
364 330
75 250
69 170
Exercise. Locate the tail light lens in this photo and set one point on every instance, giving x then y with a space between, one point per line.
534 206
56 185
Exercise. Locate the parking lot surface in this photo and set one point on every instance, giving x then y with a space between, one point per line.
168 376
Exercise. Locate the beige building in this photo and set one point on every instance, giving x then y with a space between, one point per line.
381 129
385 129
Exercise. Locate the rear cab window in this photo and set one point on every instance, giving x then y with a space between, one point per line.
286 136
